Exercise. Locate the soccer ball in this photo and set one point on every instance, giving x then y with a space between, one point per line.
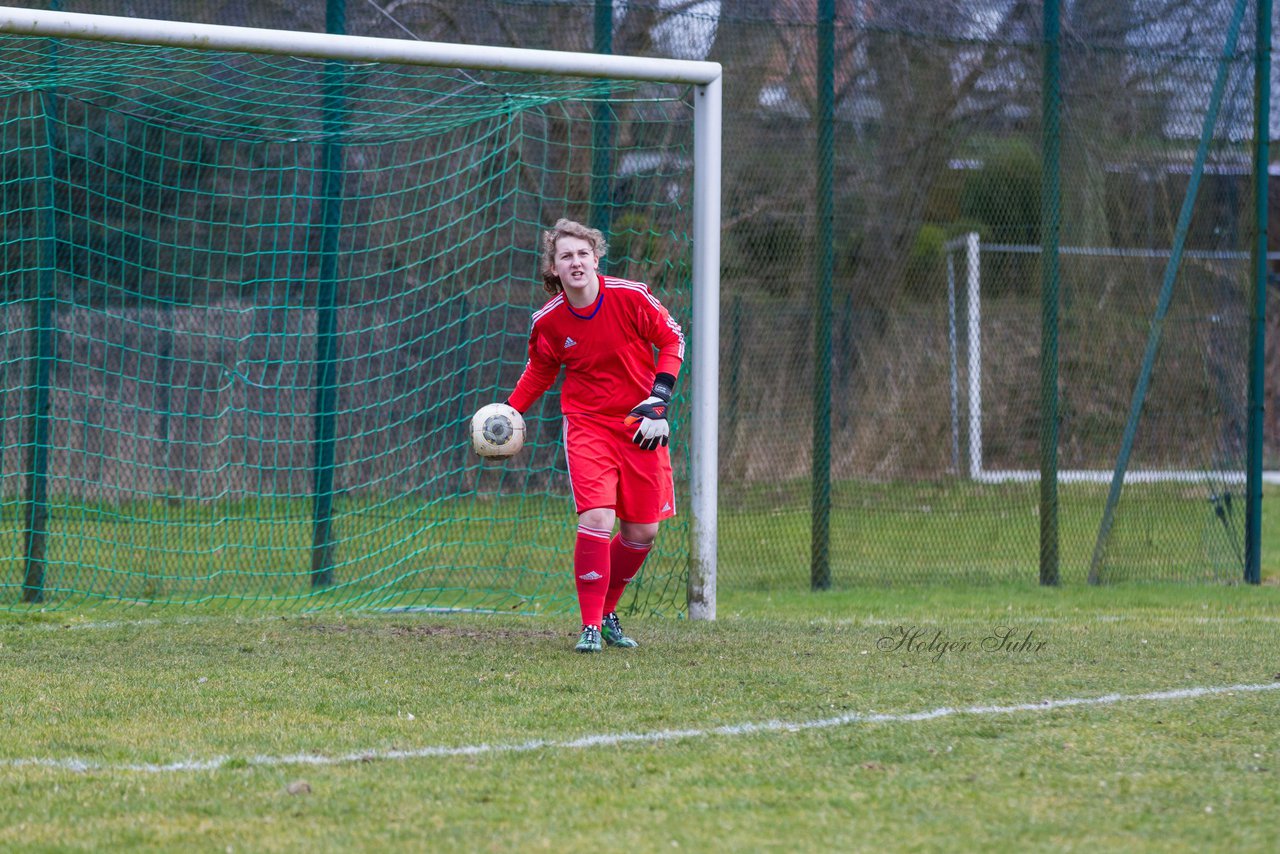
497 430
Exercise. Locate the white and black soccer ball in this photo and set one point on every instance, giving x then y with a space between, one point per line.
497 430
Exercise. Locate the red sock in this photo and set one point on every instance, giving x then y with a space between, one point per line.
625 560
591 572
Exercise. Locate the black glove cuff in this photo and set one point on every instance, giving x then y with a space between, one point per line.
662 386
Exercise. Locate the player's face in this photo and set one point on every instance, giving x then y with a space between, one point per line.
576 265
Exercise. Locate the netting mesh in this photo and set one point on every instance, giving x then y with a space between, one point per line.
251 302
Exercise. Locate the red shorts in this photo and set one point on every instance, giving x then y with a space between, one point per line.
607 470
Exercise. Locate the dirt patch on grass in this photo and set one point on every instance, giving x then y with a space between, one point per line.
435 630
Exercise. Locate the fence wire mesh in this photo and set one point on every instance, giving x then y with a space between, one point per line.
938 135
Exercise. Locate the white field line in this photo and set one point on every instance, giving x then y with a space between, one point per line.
622 738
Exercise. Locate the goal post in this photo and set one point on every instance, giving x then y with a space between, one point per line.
702 266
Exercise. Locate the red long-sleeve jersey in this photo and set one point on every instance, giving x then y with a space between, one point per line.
607 350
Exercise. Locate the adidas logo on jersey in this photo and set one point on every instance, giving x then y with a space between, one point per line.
591 576
569 342
666 507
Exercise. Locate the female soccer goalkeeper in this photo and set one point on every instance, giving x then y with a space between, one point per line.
605 332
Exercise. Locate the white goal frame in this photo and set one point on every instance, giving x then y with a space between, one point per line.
969 277
705 77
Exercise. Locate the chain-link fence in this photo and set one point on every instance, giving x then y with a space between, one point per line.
935 380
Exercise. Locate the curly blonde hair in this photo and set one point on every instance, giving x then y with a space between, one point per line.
566 228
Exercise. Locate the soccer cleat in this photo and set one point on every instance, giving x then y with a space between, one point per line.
589 640
613 634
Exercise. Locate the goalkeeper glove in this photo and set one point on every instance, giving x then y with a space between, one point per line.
650 416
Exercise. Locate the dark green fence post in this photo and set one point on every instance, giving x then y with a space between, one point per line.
1258 309
45 354
1050 224
602 131
326 388
820 549
462 361
45 341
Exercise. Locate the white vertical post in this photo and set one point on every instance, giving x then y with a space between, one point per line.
975 354
705 458
953 352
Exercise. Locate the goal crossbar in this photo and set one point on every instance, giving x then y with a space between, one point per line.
108 28
704 76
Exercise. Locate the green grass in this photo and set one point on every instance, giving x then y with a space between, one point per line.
115 686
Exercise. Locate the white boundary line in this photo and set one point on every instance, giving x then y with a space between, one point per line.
616 739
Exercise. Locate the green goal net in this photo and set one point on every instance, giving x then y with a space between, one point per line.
249 303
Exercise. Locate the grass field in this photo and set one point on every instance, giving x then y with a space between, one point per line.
910 719
974 712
